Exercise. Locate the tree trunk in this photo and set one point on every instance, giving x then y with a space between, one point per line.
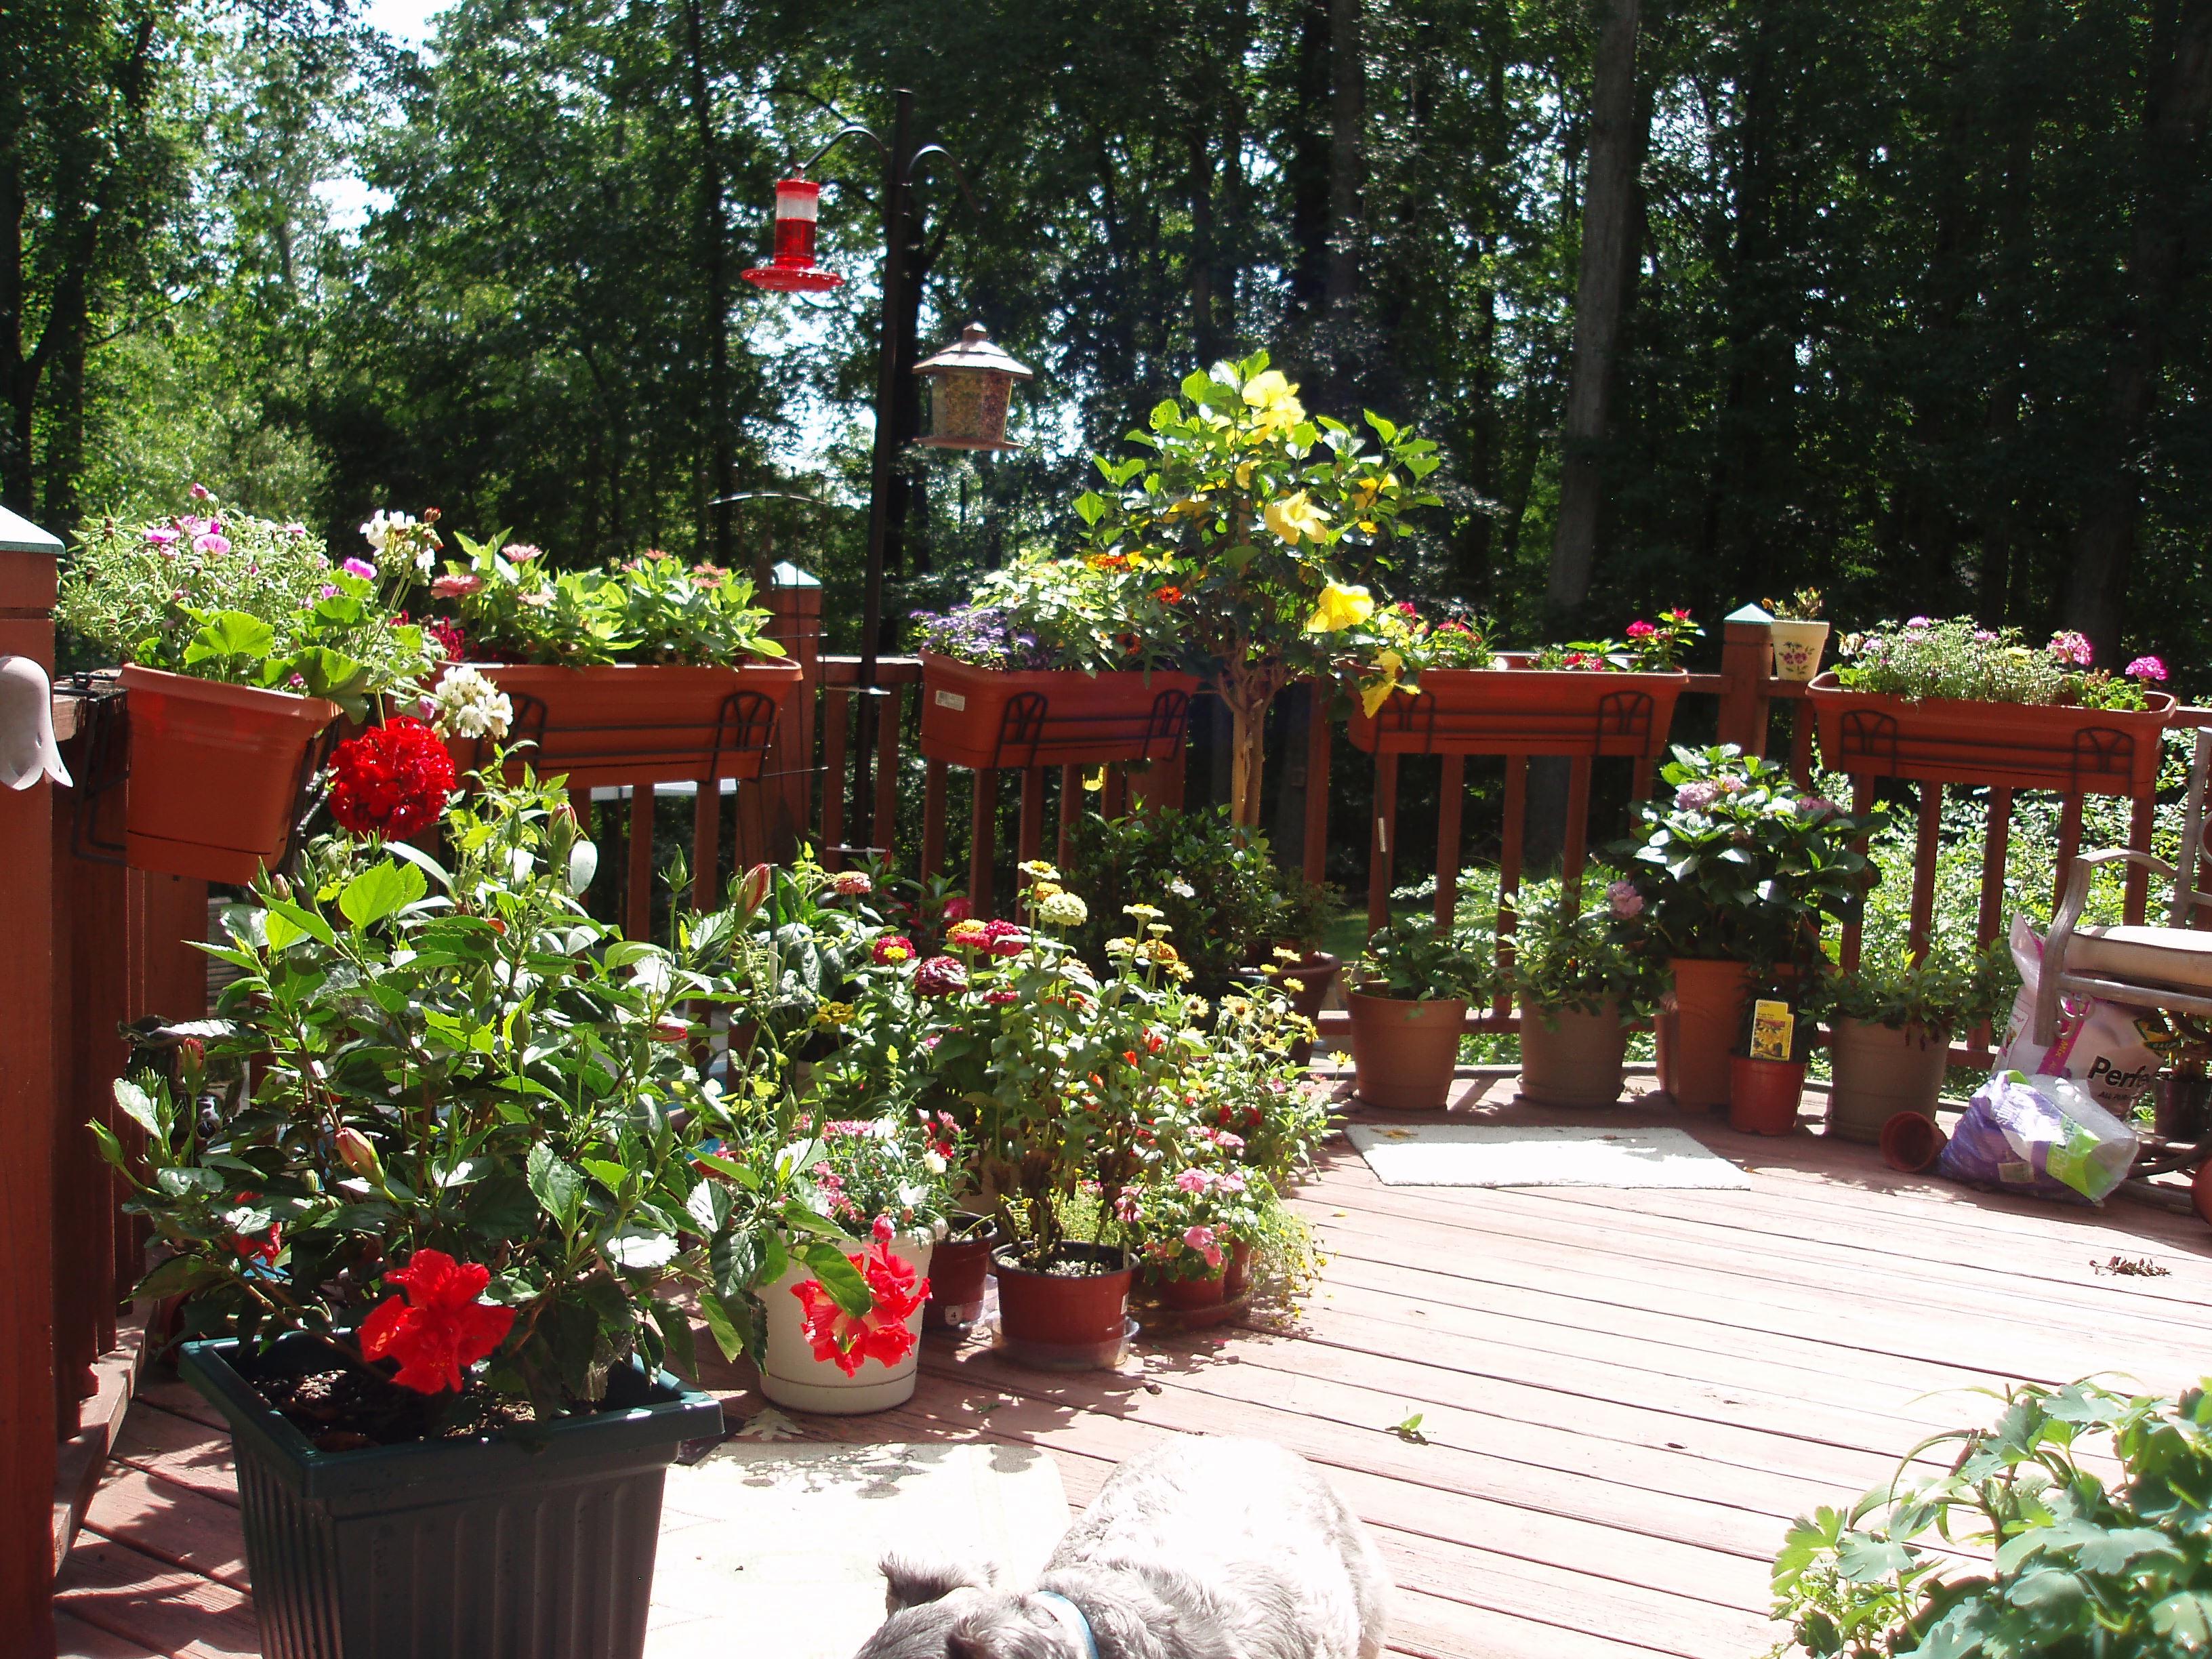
1348 150
1247 744
2177 93
714 240
1616 153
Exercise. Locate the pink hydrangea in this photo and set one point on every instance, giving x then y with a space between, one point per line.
1623 901
1696 795
2146 668
940 976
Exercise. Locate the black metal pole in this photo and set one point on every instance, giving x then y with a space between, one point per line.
883 479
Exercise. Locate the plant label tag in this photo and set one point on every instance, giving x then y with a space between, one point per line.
1772 1026
952 700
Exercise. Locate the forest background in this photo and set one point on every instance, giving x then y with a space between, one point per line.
1704 300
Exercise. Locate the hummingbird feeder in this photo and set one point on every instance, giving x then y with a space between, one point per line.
792 271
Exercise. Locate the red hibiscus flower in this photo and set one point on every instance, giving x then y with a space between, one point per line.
391 780
258 1247
850 1342
440 1329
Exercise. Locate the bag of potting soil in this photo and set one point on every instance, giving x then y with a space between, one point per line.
2038 1134
2110 1049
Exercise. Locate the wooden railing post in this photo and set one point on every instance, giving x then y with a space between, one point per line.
787 778
29 1105
1747 659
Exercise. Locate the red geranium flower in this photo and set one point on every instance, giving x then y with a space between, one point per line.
1170 594
881 1333
440 1329
391 780
446 634
1641 630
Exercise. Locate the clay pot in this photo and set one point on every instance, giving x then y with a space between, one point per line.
2005 745
2179 1103
1695 1039
1881 1070
997 717
636 723
1237 1279
1763 1095
1575 1062
1403 1053
215 773
1798 648
1911 1143
1073 1320
959 1273
1189 1295
1518 710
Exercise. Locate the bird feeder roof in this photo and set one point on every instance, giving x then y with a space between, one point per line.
973 351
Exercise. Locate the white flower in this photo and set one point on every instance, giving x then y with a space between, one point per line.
379 527
466 704
934 1162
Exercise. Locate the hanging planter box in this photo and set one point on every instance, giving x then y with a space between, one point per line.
216 773
1519 710
2004 746
988 718
497 1549
637 723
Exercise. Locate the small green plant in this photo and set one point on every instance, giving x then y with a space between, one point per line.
1110 611
2089 1560
1650 648
1411 959
1803 605
1948 990
1959 659
1568 958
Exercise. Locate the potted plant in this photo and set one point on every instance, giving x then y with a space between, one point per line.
1767 1073
649 671
1798 634
1439 689
1408 998
433 1247
1054 662
1890 1023
1960 704
240 643
1186 1219
1578 975
1735 865
1264 523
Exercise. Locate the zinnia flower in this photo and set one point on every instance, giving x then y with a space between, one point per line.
456 588
891 949
940 976
440 1329
1339 607
1063 910
958 907
970 933
2146 668
1004 938
1170 594
852 884
391 780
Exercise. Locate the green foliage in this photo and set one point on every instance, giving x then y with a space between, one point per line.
1649 648
2089 1560
1102 614
1411 959
1962 658
1948 990
1574 958
1213 883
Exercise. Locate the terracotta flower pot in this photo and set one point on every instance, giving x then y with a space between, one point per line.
959 1273
1763 1095
995 717
1075 1319
215 773
1694 1040
1238 1278
1315 973
1881 1070
1403 1053
2179 1103
636 724
791 1376
1190 1295
1519 710
1911 1143
2005 745
1798 648
1575 1062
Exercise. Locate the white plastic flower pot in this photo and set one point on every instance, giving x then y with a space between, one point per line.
1798 648
790 1374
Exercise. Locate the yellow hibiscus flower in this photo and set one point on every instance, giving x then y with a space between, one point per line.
1276 400
1364 493
1375 692
1294 517
1340 607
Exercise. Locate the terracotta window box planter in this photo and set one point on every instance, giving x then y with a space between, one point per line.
1519 710
989 718
637 723
2004 745
217 774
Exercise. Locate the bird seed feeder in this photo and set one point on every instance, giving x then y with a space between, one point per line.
792 271
968 404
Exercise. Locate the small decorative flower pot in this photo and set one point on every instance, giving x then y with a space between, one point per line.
636 724
536 1547
996 717
1912 1143
1879 1072
1074 1318
1404 1053
1763 1095
1798 648
959 1274
791 1376
1519 710
1569 1059
1695 1038
217 773
2004 746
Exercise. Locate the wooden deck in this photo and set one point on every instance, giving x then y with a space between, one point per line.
1624 1394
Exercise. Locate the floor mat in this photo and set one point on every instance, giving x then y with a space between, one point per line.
1538 1155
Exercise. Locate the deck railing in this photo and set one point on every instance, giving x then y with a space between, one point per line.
92 947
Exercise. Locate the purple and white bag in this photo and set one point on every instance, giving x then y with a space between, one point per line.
2045 1135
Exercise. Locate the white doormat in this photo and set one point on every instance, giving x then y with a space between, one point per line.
1538 1155
772 1549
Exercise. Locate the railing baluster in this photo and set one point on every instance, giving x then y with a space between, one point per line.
982 822
1381 847
1451 803
1071 798
1032 840
836 711
2140 823
1576 851
1928 841
933 819
1316 824
707 843
637 911
1801 743
890 706
1847 952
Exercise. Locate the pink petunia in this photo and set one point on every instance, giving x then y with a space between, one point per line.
160 536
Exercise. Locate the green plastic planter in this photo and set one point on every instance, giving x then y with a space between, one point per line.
493 1548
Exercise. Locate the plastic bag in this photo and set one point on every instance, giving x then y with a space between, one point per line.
2038 1134
2110 1049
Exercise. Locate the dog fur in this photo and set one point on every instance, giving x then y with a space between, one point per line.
1202 1548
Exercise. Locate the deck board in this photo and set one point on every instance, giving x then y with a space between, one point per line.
1624 1394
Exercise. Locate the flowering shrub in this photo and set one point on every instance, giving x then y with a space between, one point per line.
849 1340
391 780
1959 659
1214 883
1573 958
457 1163
1040 612
1736 862
1395 645
223 595
1649 647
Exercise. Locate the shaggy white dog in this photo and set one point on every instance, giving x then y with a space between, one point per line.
1200 1549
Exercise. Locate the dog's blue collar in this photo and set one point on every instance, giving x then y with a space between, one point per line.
1072 1620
